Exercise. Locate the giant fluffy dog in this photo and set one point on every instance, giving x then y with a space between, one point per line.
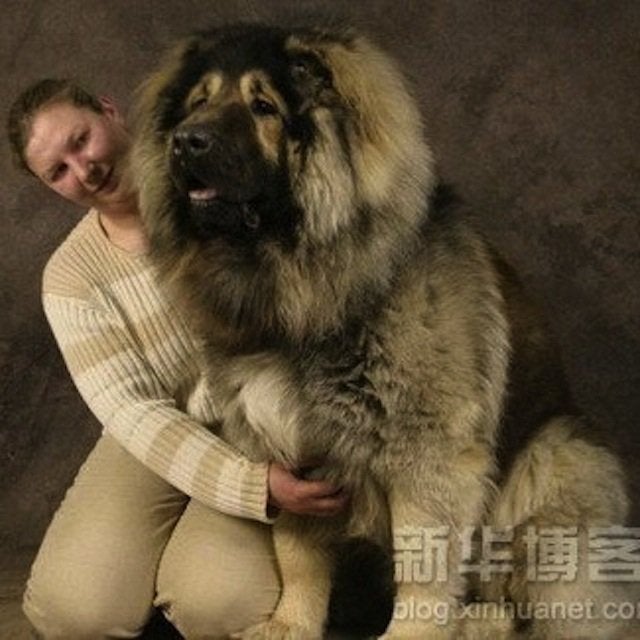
350 317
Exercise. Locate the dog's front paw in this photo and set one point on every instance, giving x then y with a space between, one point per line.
276 630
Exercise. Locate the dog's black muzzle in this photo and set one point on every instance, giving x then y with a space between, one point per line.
220 172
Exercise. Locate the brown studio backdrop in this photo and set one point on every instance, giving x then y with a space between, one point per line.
533 111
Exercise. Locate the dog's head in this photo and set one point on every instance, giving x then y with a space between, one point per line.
255 143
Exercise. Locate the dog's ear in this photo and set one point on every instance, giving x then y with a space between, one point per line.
380 116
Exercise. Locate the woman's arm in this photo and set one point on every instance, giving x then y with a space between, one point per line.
120 387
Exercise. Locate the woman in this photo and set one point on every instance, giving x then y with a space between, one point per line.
162 513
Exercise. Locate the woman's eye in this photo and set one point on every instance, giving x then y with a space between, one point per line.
82 139
57 173
261 107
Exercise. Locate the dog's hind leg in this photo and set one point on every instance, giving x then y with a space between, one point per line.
429 510
560 489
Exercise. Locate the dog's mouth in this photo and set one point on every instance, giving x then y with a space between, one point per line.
205 188
221 210
204 196
248 202
205 193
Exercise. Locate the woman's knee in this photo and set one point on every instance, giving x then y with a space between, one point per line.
218 574
94 574
90 612
198 611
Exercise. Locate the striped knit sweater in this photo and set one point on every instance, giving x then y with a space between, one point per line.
134 362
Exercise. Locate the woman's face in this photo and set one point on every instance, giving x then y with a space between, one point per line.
80 154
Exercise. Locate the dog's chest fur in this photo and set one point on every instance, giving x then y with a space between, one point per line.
425 373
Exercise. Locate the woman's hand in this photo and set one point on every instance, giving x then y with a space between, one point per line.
287 492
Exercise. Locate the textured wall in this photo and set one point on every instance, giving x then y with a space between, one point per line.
534 113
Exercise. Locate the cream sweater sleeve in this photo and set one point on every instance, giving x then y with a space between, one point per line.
121 389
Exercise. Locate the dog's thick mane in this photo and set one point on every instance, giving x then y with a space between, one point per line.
360 193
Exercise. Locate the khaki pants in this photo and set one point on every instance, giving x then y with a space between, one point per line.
124 540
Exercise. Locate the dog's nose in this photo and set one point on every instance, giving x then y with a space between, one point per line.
193 140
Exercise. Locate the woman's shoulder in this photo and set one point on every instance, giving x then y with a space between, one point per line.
80 263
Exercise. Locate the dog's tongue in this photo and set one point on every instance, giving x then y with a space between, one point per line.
203 194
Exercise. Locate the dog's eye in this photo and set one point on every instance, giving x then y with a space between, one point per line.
262 108
198 103
299 68
307 70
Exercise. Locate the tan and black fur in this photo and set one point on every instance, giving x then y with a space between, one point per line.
349 316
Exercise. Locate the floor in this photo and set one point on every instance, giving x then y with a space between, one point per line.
13 575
